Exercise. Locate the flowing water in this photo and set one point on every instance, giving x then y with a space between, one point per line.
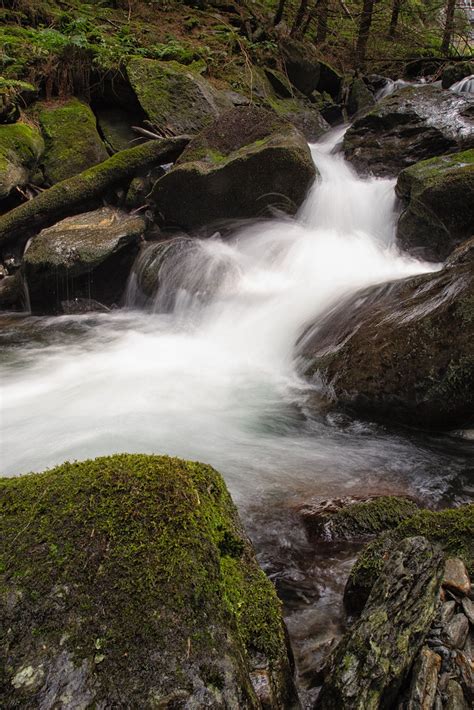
214 378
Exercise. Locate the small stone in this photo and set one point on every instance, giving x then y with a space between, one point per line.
455 697
447 612
455 633
456 577
28 677
468 608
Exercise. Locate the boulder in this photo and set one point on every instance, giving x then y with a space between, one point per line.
438 199
455 72
89 255
346 519
115 125
175 98
302 64
12 292
359 98
330 80
71 139
13 95
373 659
21 147
424 680
128 581
413 123
402 351
279 83
451 530
245 163
456 577
302 114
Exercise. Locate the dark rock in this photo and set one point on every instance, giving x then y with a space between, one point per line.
455 699
447 612
412 124
438 195
375 82
455 72
128 581
176 99
349 519
456 577
452 530
115 125
21 148
330 80
465 668
140 188
374 657
280 83
306 117
455 632
424 680
468 608
245 163
62 262
302 64
12 292
13 95
78 306
71 139
384 354
360 99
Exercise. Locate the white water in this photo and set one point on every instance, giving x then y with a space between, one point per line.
465 86
215 380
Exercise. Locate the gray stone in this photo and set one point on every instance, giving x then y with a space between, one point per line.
455 632
468 608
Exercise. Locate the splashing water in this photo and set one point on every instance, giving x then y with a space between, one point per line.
465 86
215 379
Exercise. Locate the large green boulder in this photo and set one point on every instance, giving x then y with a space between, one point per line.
72 141
438 196
85 256
176 99
402 351
414 123
247 162
21 147
128 581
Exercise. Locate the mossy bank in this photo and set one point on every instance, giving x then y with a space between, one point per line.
128 581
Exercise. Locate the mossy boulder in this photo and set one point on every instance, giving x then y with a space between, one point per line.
452 530
301 64
401 352
128 581
438 196
414 123
247 162
176 99
330 80
372 661
455 72
360 98
302 114
13 95
86 255
21 147
349 519
72 141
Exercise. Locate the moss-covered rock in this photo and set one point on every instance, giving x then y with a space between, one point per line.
455 72
176 99
301 64
128 581
452 530
414 123
76 247
438 195
359 98
346 519
13 94
21 147
302 114
403 351
248 161
71 138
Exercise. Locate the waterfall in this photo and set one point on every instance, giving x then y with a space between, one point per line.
209 372
465 86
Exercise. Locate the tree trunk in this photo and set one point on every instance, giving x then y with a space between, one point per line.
448 27
69 197
364 31
300 15
279 13
396 5
321 32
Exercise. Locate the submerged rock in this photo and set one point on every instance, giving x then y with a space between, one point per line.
373 659
128 581
76 247
402 351
412 124
438 195
176 99
21 147
71 138
245 163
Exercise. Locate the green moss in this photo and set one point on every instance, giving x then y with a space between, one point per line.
20 149
72 141
371 517
146 550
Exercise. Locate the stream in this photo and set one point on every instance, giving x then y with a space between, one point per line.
207 371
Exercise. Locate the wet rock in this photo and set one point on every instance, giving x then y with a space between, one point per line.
176 99
167 605
306 117
456 577
438 196
71 139
414 123
452 530
61 259
244 164
12 292
374 657
424 680
455 72
349 519
360 98
455 632
141 187
384 354
78 306
21 147
455 699
115 125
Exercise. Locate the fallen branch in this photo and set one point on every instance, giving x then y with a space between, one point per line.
71 196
